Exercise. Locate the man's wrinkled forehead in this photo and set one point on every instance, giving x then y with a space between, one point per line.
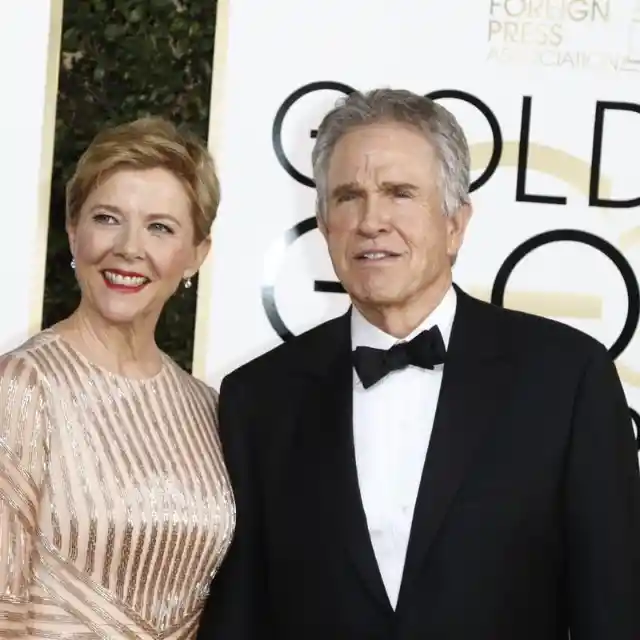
381 153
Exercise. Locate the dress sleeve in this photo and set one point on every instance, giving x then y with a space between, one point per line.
22 467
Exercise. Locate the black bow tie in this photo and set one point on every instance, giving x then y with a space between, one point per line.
426 350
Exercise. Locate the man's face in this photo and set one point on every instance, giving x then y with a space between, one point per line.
389 240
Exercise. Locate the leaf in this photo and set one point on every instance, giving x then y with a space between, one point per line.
113 31
135 15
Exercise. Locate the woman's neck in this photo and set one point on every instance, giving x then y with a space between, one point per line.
127 349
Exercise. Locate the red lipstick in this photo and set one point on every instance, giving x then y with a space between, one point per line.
124 281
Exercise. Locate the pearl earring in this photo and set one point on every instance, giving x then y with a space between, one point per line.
187 283
73 263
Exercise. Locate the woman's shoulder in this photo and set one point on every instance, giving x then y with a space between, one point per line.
23 380
24 357
195 386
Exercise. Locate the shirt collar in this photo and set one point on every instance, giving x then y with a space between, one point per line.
364 334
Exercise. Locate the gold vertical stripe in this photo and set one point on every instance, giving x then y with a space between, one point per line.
166 586
203 303
39 255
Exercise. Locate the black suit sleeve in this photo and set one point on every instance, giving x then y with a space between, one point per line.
235 609
602 510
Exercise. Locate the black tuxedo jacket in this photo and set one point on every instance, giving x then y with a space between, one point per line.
527 522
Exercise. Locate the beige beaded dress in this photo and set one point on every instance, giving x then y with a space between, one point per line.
115 505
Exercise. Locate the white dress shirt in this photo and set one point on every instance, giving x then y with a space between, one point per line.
392 423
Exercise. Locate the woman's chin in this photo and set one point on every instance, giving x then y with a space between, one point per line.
122 314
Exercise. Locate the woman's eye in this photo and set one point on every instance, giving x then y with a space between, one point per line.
104 218
162 228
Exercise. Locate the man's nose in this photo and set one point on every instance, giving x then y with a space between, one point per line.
374 217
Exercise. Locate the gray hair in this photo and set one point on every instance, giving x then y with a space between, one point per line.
439 126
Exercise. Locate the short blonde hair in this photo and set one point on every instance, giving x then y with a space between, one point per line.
149 143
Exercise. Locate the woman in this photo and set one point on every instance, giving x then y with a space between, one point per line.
115 506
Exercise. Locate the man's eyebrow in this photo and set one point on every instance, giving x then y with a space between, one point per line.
346 187
405 186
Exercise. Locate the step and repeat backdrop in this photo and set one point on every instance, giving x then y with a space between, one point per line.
548 92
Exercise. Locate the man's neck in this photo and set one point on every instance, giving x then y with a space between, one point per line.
401 320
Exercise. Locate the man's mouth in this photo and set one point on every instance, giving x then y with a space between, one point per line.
376 256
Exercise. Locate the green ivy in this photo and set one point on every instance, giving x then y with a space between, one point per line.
120 60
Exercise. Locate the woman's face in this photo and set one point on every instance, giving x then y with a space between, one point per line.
133 243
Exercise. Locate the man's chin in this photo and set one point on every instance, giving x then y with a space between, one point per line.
378 298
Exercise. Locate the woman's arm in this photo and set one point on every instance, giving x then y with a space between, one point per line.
22 464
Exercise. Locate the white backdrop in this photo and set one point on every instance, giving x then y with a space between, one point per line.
554 64
29 46
550 85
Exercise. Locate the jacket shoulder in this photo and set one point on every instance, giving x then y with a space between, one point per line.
313 345
531 334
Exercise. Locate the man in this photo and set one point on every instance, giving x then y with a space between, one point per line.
427 465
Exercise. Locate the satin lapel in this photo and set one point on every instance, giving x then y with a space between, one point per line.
475 382
325 458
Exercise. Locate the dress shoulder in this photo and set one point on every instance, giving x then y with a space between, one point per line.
30 354
197 389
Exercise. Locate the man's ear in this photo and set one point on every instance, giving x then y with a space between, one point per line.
456 227
322 226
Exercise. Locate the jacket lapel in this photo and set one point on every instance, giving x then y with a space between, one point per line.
324 456
475 386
